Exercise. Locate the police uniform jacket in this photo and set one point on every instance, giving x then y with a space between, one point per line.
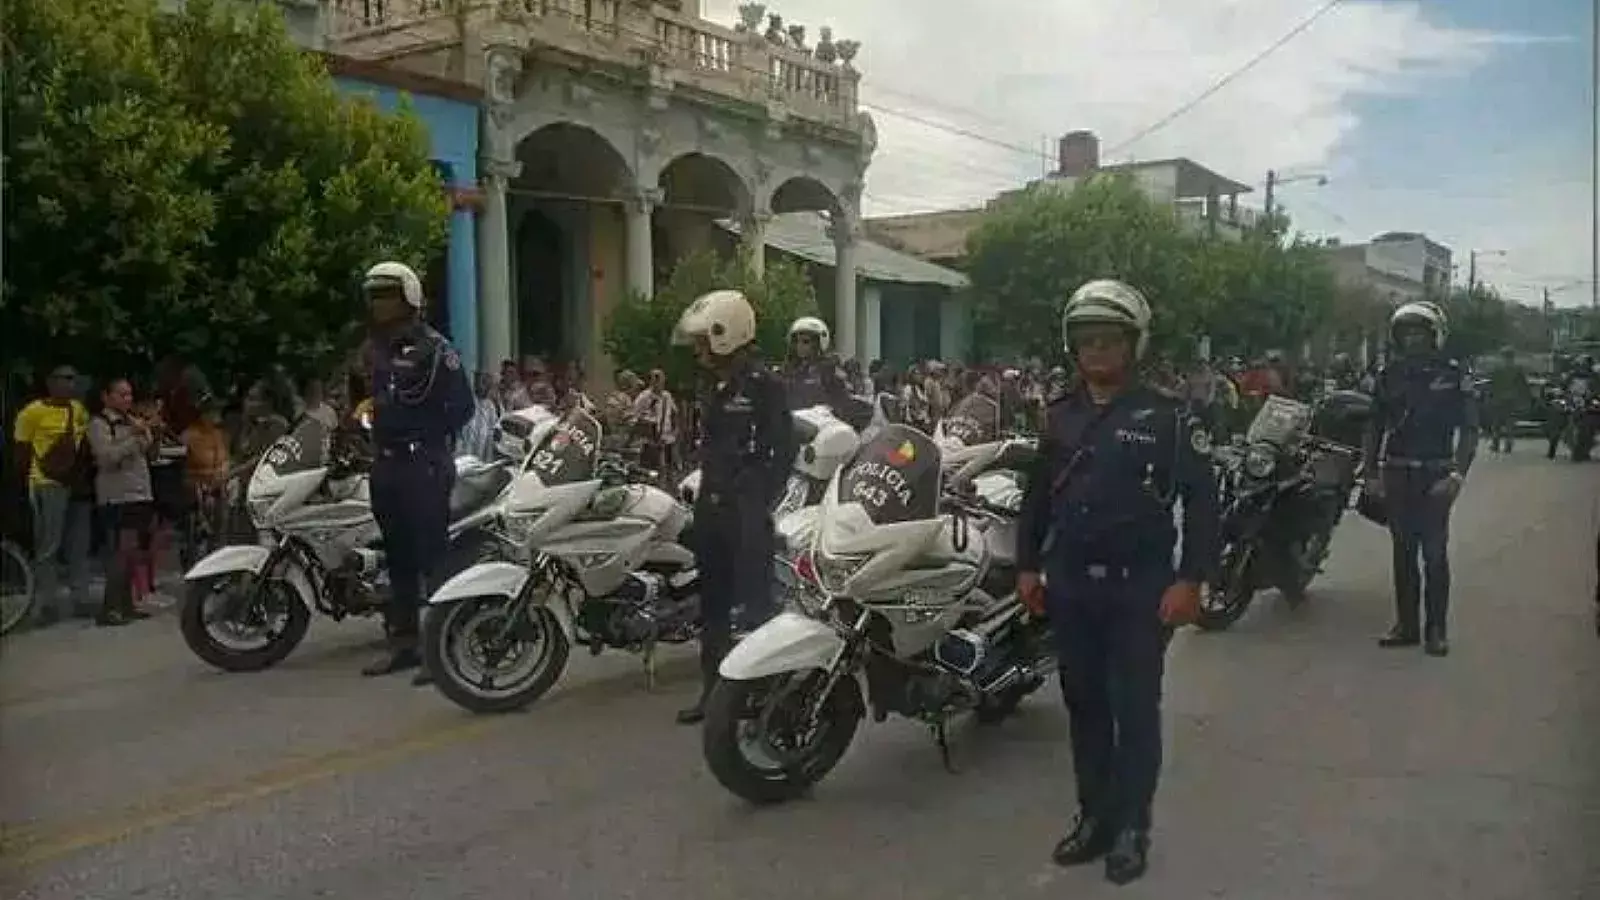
1103 489
420 395
815 382
1419 407
747 437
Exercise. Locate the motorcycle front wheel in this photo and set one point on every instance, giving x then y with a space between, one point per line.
1225 601
494 654
758 742
239 622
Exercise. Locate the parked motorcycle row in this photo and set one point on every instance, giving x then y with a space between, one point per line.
895 567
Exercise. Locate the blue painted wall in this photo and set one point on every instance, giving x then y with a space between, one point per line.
453 131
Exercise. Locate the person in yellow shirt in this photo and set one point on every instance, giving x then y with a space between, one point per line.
49 434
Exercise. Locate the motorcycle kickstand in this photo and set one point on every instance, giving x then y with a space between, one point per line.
941 736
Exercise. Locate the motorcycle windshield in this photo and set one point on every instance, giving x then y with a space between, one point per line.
1281 422
567 454
894 476
975 420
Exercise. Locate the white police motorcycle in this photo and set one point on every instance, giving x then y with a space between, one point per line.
247 606
896 571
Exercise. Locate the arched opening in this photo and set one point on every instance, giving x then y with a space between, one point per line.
697 190
803 194
567 238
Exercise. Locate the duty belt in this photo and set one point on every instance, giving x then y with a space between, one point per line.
1401 462
394 449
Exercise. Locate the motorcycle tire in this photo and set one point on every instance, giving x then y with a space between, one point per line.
18 589
443 625
197 631
722 734
1236 590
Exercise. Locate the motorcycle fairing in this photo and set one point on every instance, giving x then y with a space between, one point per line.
788 642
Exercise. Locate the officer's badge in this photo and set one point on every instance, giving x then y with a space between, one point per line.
1200 440
452 360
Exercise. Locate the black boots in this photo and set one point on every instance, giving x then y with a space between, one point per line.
1126 852
1129 857
1400 636
1086 842
400 659
1434 643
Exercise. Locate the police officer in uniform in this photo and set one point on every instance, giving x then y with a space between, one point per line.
811 374
1422 400
747 445
421 399
1097 523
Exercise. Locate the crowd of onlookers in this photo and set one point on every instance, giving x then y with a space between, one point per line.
135 479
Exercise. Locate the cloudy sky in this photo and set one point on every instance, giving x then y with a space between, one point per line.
1464 119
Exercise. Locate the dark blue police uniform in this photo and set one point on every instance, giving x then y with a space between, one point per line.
1425 427
1097 521
746 448
421 399
815 382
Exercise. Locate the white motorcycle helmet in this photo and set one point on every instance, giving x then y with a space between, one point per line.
1422 313
1109 302
395 274
813 326
724 318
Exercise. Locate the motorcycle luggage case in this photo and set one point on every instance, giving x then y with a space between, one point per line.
1343 417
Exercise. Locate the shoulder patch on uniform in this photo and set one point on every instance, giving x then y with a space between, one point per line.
452 359
1199 439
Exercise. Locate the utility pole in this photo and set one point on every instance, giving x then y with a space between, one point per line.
1472 271
1594 151
1272 186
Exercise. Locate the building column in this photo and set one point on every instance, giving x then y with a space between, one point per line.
494 248
844 233
461 265
870 322
753 240
953 330
641 260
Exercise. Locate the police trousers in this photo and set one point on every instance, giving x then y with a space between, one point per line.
1112 650
411 500
1419 526
733 553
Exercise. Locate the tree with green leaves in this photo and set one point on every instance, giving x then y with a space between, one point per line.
1031 253
638 332
191 183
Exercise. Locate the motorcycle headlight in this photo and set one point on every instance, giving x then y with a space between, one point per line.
1259 461
834 571
518 528
259 508
794 497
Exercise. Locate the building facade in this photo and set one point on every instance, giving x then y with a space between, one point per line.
450 111
615 135
1202 201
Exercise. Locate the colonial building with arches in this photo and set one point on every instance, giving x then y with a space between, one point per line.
615 135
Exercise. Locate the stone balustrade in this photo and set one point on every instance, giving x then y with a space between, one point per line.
681 49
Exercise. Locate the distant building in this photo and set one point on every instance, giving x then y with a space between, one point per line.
1202 200
1396 267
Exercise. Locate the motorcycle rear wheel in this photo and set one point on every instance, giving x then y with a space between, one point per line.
787 772
447 658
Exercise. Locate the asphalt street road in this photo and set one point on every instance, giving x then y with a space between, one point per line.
1304 763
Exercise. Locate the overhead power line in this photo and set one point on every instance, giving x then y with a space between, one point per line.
1226 80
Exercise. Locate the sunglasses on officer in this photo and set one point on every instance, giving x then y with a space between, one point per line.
1098 337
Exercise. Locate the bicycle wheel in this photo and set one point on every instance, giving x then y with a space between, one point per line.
16 586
